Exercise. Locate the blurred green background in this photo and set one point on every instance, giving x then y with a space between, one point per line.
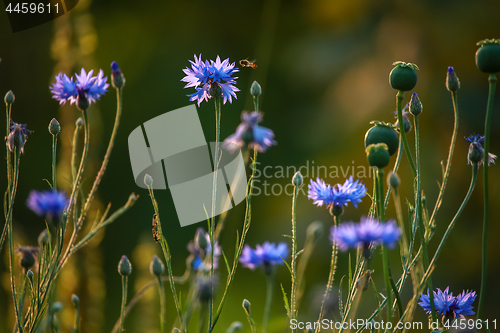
323 66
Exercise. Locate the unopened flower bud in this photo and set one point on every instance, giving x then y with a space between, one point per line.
415 105
297 179
79 122
235 327
55 307
315 230
29 274
148 180
117 78
201 239
75 300
9 97
156 267
43 238
255 89
54 127
176 330
393 180
124 266
246 305
452 82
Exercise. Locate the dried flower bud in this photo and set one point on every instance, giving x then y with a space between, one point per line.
124 266
54 127
156 267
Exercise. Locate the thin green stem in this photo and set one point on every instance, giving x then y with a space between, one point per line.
419 220
124 301
203 317
448 163
269 300
399 103
395 169
54 161
7 197
163 308
489 112
294 254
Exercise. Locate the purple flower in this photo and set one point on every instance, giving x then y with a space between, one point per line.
86 86
265 255
17 137
249 134
200 249
448 305
338 195
49 204
204 74
476 151
368 231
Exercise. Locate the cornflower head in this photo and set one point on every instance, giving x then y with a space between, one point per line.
200 248
449 306
17 137
476 151
211 79
250 135
334 197
28 256
361 235
50 204
266 256
83 91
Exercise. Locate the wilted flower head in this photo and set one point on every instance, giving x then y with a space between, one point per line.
476 151
205 287
49 204
338 195
17 137
249 134
266 255
368 231
205 76
201 249
406 119
87 87
28 256
448 305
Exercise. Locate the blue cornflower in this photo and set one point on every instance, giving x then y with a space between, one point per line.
250 134
17 137
338 195
86 86
49 204
200 249
476 151
204 74
266 255
448 305
368 231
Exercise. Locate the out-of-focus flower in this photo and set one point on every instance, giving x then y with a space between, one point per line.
476 151
87 87
17 137
265 255
338 195
361 235
249 134
49 204
201 249
28 256
406 119
207 76
448 305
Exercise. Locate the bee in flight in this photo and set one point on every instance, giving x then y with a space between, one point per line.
156 235
248 63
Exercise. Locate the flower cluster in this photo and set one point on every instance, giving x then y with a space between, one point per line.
265 255
338 195
476 150
49 204
368 231
448 305
210 78
86 87
249 134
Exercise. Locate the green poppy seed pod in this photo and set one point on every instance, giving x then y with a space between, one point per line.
200 238
315 230
215 90
378 155
452 81
383 133
43 238
54 127
55 307
75 300
235 327
9 97
255 89
415 105
156 267
297 179
246 305
29 274
117 78
393 180
403 77
488 56
176 330
148 180
124 266
79 122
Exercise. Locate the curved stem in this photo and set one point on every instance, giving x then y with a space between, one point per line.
7 197
489 108
399 104
269 300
